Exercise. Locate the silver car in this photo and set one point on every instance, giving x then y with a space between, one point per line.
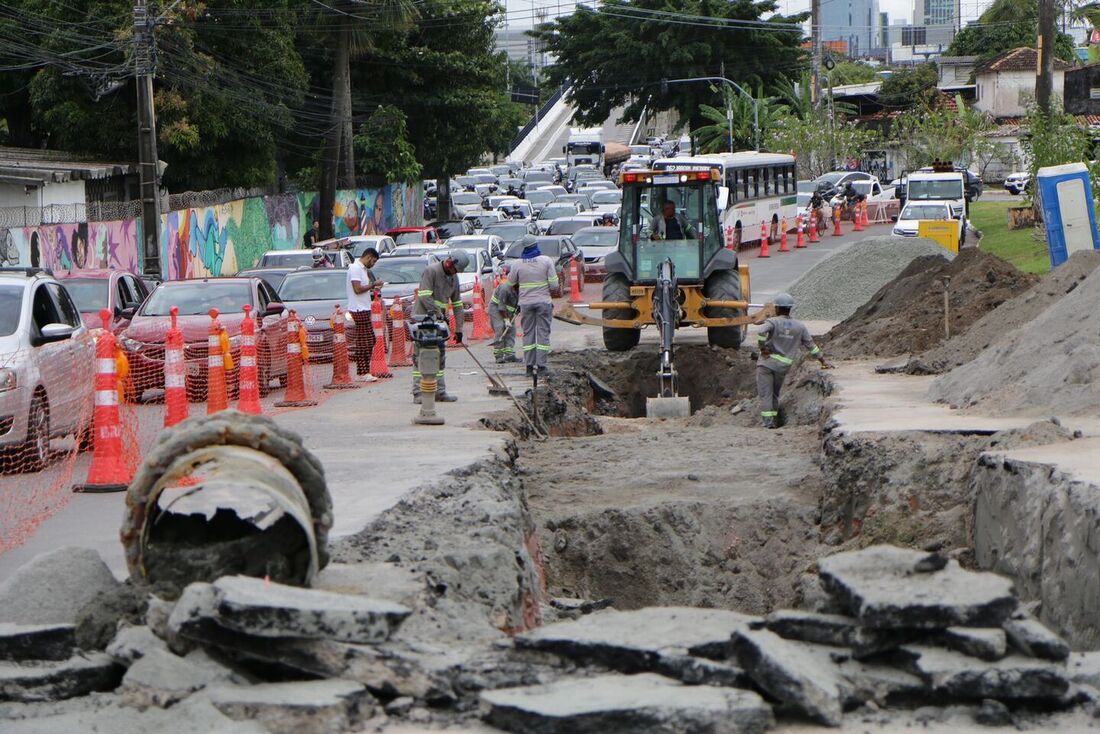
47 367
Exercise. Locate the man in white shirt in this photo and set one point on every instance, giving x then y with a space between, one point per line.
362 286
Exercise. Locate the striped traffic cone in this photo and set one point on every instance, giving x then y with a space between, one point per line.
783 247
400 352
175 378
482 329
814 218
341 370
838 230
109 471
575 281
217 394
857 217
249 376
378 366
296 355
799 240
764 241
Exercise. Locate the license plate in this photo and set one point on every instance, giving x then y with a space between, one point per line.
666 179
192 369
315 338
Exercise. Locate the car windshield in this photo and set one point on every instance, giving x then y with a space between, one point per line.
607 197
829 178
538 176
941 189
89 295
540 197
553 211
319 286
508 232
287 259
597 237
465 197
196 298
11 302
408 238
925 211
400 270
451 229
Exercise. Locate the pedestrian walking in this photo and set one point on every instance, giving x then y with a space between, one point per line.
536 281
779 340
502 311
438 289
362 287
311 236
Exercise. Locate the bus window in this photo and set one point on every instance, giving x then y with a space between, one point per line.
756 183
731 184
765 180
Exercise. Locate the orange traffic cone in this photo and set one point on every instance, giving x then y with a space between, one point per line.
764 241
482 328
297 354
249 376
866 218
400 353
378 366
814 215
799 225
341 371
575 281
857 217
217 398
838 231
783 247
175 378
109 471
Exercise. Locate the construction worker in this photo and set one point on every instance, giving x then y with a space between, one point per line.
438 288
502 310
779 340
537 282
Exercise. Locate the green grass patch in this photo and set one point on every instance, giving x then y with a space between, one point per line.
1021 247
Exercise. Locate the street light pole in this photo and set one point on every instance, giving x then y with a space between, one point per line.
729 107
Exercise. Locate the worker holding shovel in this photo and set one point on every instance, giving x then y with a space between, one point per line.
502 311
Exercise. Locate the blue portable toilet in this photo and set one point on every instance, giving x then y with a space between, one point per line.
1066 195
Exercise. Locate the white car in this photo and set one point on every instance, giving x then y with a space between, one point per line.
1017 182
518 209
418 248
555 211
915 212
47 367
475 242
465 202
607 201
356 244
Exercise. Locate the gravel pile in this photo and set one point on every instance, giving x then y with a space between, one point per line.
1049 365
834 289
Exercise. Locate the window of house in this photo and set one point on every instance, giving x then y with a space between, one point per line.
1094 91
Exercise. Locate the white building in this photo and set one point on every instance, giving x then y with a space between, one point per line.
50 187
1006 83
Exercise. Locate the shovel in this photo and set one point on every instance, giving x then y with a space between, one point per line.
496 387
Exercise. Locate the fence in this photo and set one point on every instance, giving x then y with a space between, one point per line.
541 113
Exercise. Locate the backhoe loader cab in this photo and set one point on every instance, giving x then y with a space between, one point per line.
672 217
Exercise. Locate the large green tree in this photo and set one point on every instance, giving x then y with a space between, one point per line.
907 88
618 54
1005 25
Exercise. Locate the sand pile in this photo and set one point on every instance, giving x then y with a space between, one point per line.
906 315
1011 314
835 288
1050 365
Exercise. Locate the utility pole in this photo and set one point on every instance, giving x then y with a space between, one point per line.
1044 69
147 139
815 62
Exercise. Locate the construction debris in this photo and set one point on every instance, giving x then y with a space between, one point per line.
54 587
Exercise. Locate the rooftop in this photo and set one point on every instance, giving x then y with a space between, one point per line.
34 167
1018 59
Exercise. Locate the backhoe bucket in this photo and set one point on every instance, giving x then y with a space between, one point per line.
656 408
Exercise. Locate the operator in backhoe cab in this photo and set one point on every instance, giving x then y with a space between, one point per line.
671 225
779 340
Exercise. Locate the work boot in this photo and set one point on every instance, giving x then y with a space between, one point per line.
500 360
445 397
510 358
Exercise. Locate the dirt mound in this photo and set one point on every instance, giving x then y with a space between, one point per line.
1050 365
905 316
1010 315
835 288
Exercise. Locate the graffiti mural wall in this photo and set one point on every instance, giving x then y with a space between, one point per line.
222 239
84 246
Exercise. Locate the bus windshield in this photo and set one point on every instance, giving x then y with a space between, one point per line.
675 220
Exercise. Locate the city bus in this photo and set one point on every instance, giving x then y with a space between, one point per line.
756 187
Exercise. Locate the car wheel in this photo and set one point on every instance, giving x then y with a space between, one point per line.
36 449
616 289
724 285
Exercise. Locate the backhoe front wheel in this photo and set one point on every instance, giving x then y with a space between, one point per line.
723 285
616 288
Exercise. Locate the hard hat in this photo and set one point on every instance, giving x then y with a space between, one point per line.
784 300
460 259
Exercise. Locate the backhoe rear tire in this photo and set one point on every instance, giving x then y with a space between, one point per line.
616 288
724 285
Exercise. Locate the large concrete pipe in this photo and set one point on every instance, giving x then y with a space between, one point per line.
227 494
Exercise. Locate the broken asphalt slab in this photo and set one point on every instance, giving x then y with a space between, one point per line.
54 681
883 588
37 641
960 676
308 707
626 704
53 587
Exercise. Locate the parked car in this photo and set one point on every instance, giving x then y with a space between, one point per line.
337 256
118 291
596 243
143 339
451 228
272 276
908 224
558 248
414 235
47 367
832 183
313 295
1017 182
570 225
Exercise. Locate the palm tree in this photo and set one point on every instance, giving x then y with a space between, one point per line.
715 137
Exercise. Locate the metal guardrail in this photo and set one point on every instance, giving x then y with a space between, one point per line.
638 126
539 115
